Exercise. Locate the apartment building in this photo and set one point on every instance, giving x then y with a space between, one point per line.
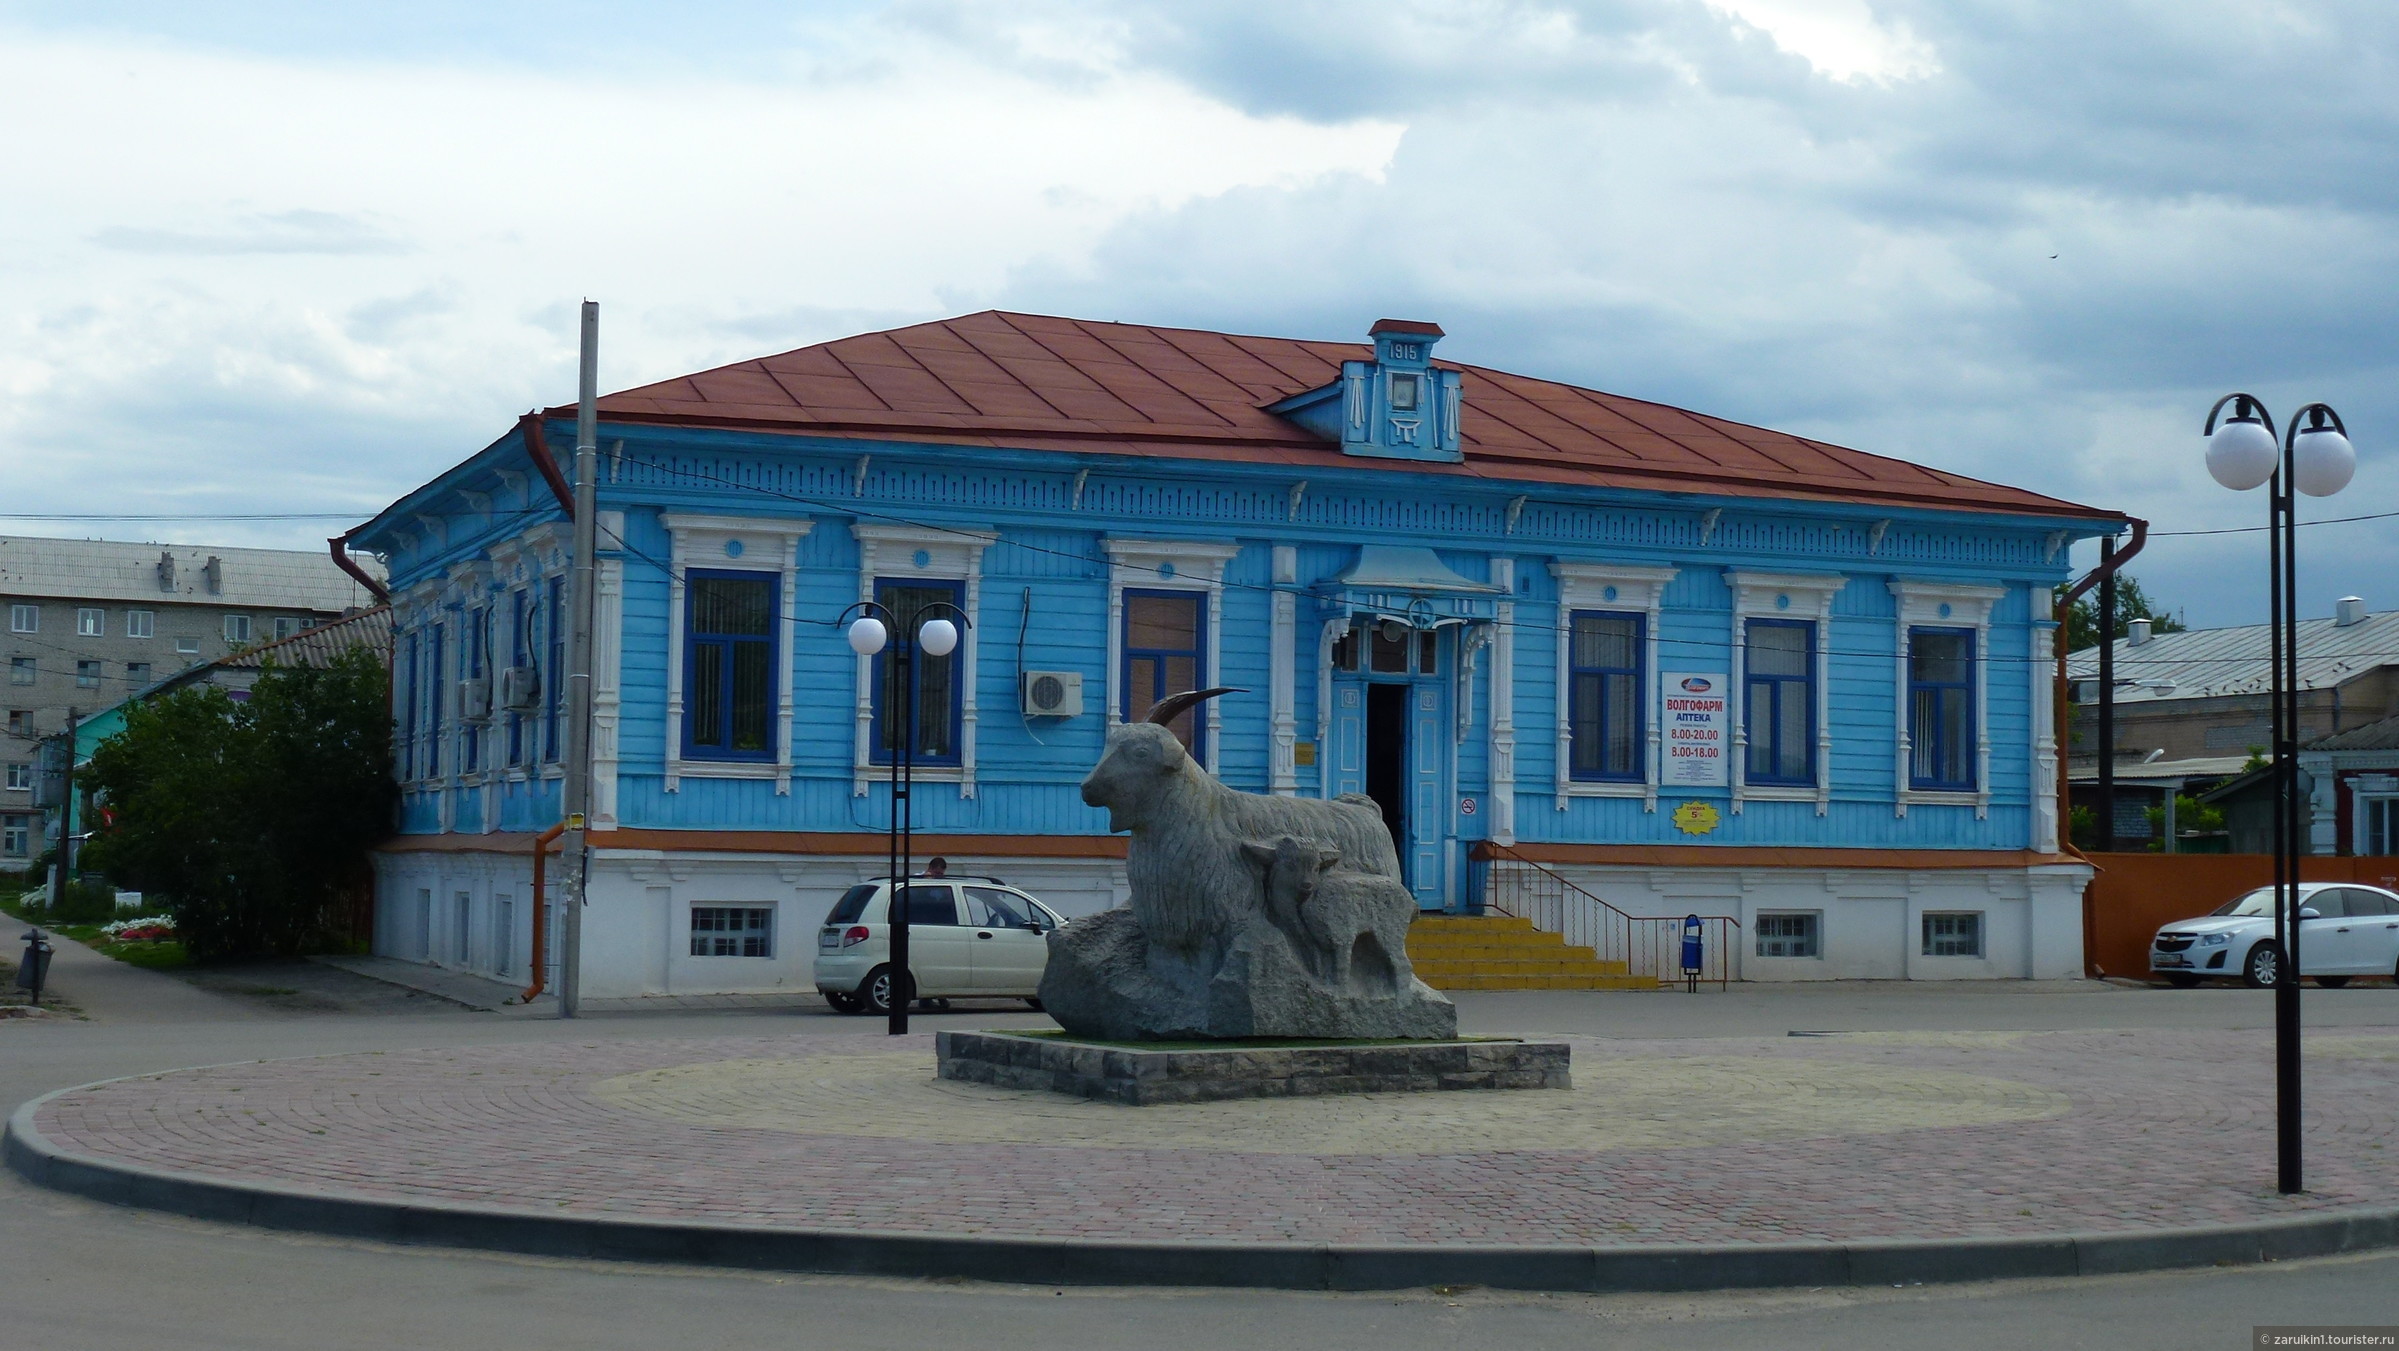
91 622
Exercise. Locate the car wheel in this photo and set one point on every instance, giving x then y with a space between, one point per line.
2181 980
1033 1004
841 1002
2263 967
874 992
2332 982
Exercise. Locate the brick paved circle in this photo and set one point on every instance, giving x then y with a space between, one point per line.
1836 1139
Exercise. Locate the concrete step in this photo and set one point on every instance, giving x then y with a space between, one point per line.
1503 952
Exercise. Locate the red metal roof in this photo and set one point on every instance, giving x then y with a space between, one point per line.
1045 383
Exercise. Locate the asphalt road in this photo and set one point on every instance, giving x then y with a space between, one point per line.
95 1278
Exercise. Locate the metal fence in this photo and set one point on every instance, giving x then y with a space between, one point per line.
1646 945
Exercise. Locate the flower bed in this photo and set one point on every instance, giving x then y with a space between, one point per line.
147 929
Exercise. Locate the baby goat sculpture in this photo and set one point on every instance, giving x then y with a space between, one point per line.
1250 916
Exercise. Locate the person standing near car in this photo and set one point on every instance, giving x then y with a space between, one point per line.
939 867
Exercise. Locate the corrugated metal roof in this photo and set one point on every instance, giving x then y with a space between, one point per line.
318 647
114 571
2374 736
2211 663
1046 383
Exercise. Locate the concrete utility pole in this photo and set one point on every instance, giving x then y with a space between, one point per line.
581 595
66 823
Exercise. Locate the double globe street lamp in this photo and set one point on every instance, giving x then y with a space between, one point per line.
2315 458
873 627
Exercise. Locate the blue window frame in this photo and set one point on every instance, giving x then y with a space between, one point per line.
1603 673
1165 652
729 624
474 638
408 709
435 671
553 677
519 612
940 694
1779 705
1941 709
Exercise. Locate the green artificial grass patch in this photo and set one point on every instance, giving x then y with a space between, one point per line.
1245 1043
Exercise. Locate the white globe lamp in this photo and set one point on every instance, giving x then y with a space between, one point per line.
866 635
2322 461
2241 454
938 637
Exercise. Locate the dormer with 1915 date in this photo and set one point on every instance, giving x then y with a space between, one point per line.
1398 406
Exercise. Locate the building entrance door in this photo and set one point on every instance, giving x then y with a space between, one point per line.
1387 761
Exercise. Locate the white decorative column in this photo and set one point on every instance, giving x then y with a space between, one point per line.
607 665
2044 740
1503 705
1283 676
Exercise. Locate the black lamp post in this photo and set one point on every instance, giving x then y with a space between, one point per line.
873 626
2315 459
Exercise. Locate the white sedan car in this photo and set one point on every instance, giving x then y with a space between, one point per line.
2345 930
968 937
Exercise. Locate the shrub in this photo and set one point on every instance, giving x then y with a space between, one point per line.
252 816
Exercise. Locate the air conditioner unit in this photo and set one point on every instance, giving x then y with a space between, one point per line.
520 688
1053 694
474 698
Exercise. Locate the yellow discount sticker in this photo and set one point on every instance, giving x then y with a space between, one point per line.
1697 818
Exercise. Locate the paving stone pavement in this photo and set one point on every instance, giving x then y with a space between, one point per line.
1835 1138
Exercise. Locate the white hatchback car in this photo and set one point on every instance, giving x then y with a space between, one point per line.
2345 930
970 937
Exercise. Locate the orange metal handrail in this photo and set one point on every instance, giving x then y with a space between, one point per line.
541 930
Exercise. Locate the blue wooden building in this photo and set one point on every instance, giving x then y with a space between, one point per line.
1689 665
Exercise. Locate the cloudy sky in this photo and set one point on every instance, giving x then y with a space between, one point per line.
286 257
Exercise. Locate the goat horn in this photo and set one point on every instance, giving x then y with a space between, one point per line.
1171 707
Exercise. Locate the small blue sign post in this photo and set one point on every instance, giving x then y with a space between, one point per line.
1693 958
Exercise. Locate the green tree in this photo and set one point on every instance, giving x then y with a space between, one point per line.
2082 617
250 817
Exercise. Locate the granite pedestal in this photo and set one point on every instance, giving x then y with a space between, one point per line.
1141 1076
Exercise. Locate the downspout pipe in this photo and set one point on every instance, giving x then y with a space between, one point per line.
2108 567
339 546
537 445
541 930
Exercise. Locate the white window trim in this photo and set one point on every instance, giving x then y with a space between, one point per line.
146 627
1283 676
2365 792
1639 590
950 556
1920 606
1198 566
1811 598
99 617
32 614
768 544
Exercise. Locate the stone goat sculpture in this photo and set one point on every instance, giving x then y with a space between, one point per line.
1210 946
1352 925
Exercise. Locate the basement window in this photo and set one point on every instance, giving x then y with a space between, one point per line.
1954 935
1790 935
732 931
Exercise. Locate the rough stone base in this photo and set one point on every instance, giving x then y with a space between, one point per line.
1143 1077
1105 982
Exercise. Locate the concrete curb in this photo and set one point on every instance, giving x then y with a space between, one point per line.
1283 1266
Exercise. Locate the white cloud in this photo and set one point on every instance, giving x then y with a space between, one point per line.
2025 239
